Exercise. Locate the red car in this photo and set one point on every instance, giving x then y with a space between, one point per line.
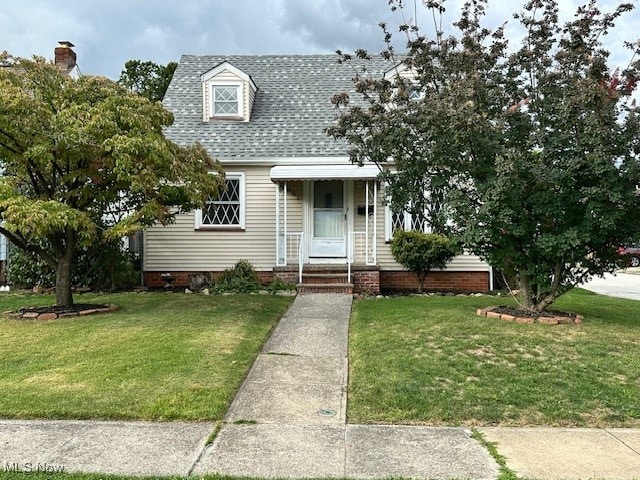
632 255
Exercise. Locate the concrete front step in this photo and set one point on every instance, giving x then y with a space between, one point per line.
325 288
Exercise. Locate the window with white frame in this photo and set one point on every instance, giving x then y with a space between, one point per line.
226 101
226 211
403 221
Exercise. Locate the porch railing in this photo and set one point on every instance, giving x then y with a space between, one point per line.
361 248
300 256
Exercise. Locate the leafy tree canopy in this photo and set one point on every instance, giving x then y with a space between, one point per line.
529 153
86 159
147 78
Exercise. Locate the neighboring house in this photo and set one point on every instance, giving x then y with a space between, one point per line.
293 199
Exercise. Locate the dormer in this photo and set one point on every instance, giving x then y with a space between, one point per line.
408 74
228 94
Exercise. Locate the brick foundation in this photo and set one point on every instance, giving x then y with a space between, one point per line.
404 281
365 280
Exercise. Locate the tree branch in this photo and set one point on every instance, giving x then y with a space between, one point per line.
20 242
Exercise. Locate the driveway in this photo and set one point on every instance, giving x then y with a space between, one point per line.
624 284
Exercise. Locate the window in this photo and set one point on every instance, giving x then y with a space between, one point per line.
226 100
403 221
227 211
415 92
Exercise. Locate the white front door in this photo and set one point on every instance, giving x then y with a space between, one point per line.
329 218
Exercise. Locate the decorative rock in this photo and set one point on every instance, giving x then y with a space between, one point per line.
563 320
67 315
492 314
186 290
205 291
30 315
524 319
88 312
507 317
549 320
47 316
38 290
578 320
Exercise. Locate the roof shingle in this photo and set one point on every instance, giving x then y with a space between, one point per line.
290 115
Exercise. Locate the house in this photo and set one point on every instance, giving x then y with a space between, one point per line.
294 205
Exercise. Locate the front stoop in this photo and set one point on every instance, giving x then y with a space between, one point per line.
325 282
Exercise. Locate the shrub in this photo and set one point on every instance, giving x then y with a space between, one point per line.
278 284
241 278
103 266
422 252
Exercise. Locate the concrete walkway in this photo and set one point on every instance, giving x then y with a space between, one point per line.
288 420
297 394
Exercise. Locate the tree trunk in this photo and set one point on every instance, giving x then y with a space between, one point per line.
64 296
421 279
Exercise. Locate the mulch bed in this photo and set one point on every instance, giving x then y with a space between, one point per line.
550 317
55 311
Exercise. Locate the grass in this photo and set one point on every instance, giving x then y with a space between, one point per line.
431 360
161 357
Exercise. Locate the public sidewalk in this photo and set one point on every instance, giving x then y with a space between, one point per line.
288 420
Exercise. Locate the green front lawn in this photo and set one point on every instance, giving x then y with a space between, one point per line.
163 356
431 360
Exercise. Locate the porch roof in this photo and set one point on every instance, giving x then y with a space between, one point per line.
324 172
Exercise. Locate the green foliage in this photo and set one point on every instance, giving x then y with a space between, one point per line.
530 151
86 160
241 278
422 252
102 267
147 78
277 284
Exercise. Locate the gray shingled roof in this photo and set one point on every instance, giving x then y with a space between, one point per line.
290 114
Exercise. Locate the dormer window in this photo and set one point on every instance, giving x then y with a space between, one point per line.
228 94
226 101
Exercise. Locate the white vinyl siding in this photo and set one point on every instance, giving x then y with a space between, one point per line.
179 247
3 248
465 262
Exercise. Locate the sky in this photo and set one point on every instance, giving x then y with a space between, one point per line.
107 33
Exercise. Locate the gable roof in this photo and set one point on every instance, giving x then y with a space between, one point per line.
291 112
228 67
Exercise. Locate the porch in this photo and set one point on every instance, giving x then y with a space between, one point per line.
326 222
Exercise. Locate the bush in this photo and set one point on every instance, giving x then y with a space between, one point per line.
422 252
241 278
103 266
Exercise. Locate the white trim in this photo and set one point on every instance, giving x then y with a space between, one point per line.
243 200
239 94
329 172
217 70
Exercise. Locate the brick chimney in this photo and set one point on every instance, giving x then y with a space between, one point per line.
65 57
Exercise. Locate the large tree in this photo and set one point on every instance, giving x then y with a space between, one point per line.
529 152
147 78
85 159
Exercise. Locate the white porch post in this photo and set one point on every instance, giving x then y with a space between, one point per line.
374 258
366 223
286 246
278 243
